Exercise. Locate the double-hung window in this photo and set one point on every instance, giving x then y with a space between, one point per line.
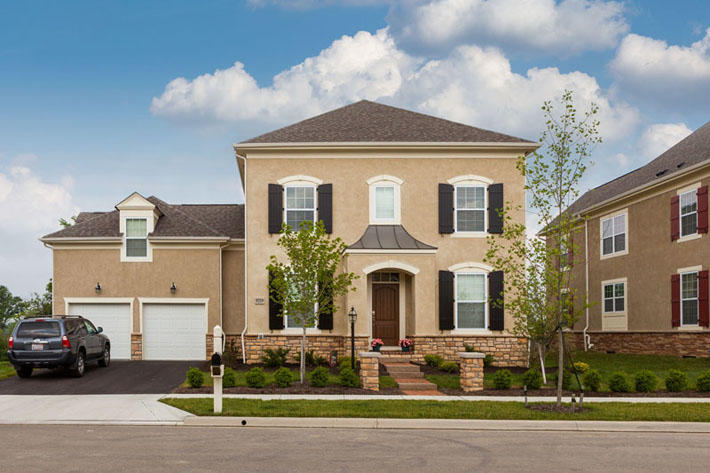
385 203
689 298
470 208
688 213
614 297
471 300
299 319
614 235
300 205
136 238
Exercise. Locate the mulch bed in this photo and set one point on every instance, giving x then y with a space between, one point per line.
295 388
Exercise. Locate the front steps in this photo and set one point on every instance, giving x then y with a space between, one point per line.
409 377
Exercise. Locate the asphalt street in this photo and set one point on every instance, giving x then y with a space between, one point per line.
30 448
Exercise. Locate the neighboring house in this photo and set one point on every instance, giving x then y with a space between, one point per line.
413 196
157 277
645 237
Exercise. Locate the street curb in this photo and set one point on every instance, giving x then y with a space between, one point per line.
448 424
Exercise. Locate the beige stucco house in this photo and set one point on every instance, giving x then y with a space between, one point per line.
413 196
642 253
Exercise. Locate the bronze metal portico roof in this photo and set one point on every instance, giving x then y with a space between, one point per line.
389 237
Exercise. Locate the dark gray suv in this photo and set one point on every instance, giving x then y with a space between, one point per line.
57 341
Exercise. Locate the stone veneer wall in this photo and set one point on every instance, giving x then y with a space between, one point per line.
647 343
321 345
471 371
136 346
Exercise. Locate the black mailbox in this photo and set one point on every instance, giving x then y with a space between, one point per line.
216 359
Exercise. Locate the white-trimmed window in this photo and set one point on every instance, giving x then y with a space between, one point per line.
614 297
689 298
689 213
470 208
613 235
299 205
136 238
471 300
385 202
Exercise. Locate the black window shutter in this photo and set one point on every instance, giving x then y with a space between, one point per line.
325 206
495 294
275 208
495 204
446 208
325 319
446 300
276 319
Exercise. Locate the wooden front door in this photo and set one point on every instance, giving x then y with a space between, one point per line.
385 313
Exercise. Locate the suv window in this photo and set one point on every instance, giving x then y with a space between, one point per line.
90 327
38 329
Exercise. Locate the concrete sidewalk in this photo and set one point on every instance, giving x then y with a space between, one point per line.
133 409
365 397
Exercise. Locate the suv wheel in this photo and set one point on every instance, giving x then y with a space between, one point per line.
79 365
106 359
24 372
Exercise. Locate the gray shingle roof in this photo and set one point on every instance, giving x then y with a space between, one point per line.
388 237
694 149
186 220
367 121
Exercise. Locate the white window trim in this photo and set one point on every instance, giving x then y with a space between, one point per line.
695 270
690 236
385 181
626 296
148 251
624 212
473 181
486 328
470 178
299 330
300 183
300 179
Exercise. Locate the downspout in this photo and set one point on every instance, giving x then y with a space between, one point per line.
246 316
585 335
221 291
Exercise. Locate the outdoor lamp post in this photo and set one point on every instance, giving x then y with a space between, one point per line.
353 317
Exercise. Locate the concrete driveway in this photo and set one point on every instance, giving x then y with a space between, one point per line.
121 377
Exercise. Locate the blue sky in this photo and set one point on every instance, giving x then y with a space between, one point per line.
92 106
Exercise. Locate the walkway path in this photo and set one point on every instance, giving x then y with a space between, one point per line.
410 378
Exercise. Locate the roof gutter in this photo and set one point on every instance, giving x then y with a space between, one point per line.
522 145
81 239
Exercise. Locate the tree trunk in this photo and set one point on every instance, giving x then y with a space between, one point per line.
542 363
303 355
560 368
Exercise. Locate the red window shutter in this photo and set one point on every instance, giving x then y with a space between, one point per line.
675 217
675 300
704 315
703 209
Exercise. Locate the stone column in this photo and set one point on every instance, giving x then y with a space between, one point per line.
471 371
370 370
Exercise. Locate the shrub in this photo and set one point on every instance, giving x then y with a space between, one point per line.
283 377
676 381
488 361
703 382
229 380
645 381
256 378
469 348
619 382
275 358
449 366
195 377
580 367
348 378
319 377
569 383
592 380
502 379
319 361
433 360
532 378
343 363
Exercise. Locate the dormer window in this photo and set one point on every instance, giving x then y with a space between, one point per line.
385 207
136 238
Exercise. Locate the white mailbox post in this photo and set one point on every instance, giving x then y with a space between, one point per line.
217 367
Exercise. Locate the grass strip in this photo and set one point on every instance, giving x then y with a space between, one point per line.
6 370
416 409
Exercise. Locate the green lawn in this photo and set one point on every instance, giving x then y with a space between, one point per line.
671 412
6 370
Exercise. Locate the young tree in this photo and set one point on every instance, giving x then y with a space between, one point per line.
307 282
10 307
39 304
537 266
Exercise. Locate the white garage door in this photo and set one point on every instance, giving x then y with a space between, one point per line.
115 319
174 331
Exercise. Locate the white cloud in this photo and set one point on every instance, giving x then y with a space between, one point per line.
656 139
472 85
30 208
675 77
